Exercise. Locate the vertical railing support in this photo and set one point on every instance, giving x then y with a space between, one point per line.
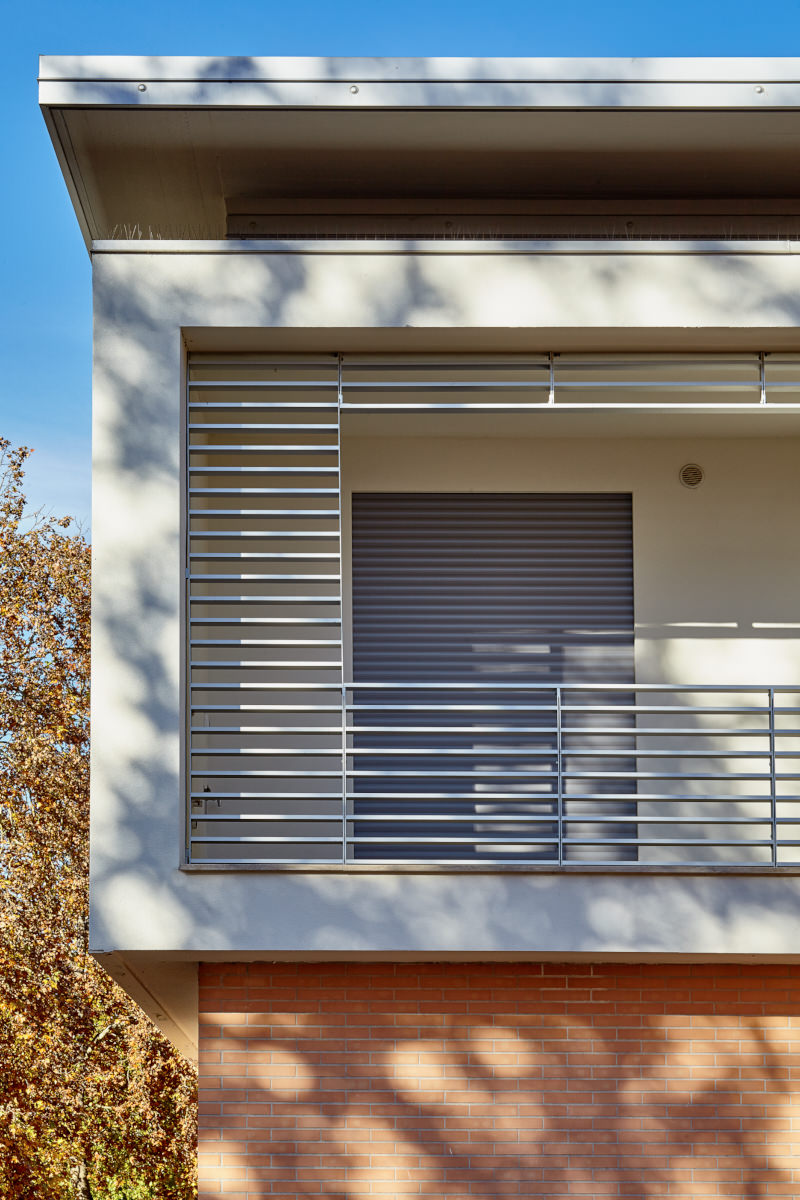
341 599
773 790
344 772
559 779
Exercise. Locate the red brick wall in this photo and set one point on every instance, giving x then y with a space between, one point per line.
480 1079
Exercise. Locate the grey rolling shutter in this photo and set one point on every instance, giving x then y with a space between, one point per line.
493 587
489 590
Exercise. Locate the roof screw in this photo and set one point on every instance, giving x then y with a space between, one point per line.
142 87
759 90
354 90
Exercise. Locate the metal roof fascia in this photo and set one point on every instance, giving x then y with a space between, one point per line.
121 68
486 94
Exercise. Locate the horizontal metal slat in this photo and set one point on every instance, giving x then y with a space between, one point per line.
265 665
264 620
281 752
266 384
269 818
269 555
271 708
305 514
283 730
269 534
437 385
298 492
264 774
509 818
464 752
262 426
289 469
265 448
264 642
272 599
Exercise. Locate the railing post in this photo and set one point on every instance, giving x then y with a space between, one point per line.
772 779
560 781
339 379
344 772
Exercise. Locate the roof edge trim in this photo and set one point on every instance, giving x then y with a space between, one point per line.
209 70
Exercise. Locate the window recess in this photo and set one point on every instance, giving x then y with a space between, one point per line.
508 594
492 720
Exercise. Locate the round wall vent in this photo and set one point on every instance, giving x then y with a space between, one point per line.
691 475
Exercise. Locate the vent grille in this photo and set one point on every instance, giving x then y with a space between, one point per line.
691 475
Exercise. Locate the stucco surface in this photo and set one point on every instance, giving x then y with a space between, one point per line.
724 557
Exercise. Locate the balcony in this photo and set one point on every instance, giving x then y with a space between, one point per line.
587 752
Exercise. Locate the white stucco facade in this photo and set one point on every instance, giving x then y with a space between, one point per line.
716 579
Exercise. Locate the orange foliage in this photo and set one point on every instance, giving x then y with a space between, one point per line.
93 1100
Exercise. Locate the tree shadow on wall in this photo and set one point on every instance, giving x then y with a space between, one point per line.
529 1103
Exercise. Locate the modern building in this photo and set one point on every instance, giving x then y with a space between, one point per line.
446 686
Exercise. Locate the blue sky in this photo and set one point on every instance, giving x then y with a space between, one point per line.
45 305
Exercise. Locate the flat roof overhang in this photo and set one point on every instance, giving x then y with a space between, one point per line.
162 146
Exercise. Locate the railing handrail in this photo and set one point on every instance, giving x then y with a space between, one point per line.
487 686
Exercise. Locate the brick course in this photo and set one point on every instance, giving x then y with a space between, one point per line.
462 1080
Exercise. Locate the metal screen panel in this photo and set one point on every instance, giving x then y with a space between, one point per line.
520 591
264 599
729 382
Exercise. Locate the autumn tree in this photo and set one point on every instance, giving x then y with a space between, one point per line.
94 1102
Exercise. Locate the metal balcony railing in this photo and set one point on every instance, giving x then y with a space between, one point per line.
518 775
289 768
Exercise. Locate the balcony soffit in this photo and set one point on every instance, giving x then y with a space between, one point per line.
165 159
